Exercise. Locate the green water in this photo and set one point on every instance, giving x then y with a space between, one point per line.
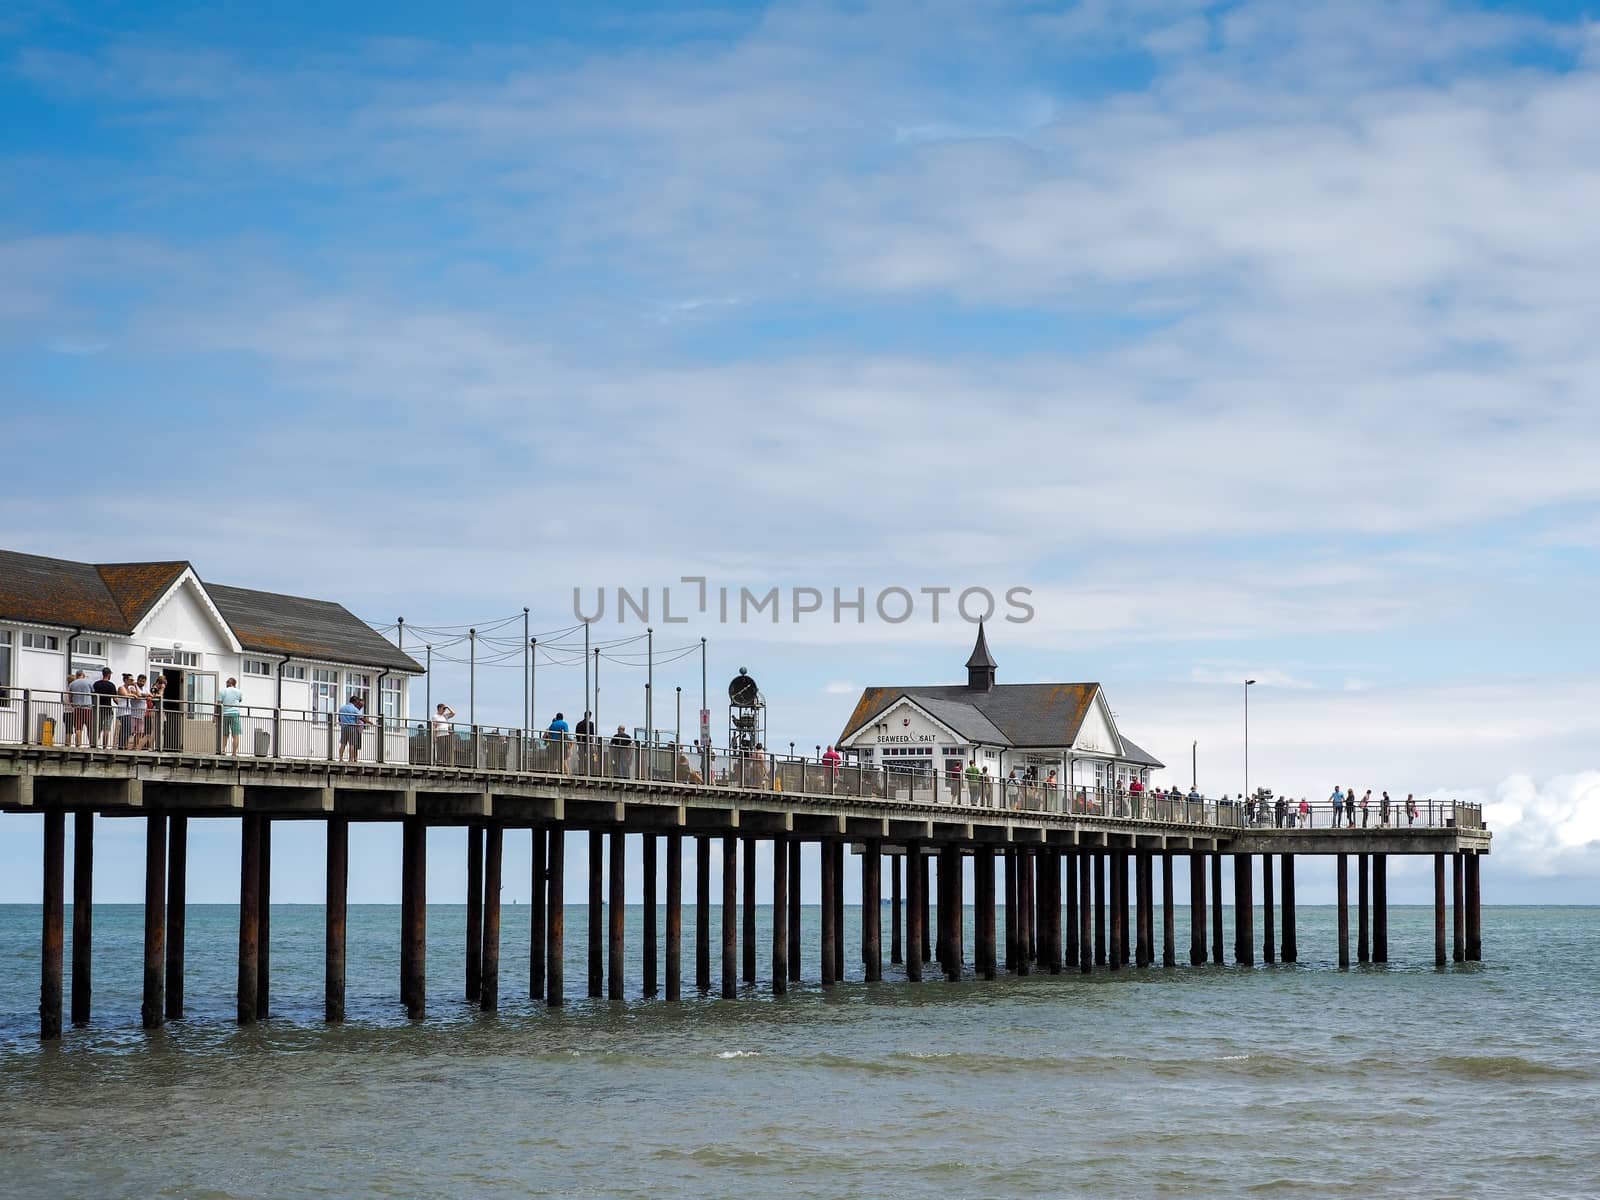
1403 1080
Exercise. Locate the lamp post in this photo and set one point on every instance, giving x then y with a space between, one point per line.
1247 685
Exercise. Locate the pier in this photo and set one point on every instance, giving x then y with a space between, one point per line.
1073 867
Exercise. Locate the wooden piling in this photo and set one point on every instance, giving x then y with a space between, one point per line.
794 909
1100 910
923 865
674 916
872 909
896 945
489 984
177 910
617 912
1291 949
53 934
249 924
1143 878
415 934
915 909
1125 866
1438 910
264 924
1025 911
1380 908
1036 902
1012 940
1244 910
1269 949
335 911
82 915
597 916
954 964
153 1009
730 917
1217 951
1052 863
983 884
1363 912
748 903
838 909
649 950
702 914
474 912
536 913
1070 950
555 918
1342 888
1119 911
1169 924
1086 939
1474 864
1458 950
1197 909
780 915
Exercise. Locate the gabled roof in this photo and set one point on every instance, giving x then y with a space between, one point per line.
1138 754
111 598
272 623
116 597
1023 714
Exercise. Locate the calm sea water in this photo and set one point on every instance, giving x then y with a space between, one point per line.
1298 1081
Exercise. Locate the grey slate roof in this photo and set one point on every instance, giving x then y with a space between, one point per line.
1024 714
1138 754
276 624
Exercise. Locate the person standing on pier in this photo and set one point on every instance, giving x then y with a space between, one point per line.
232 719
351 722
1366 801
105 699
443 735
79 716
1337 800
587 741
1305 812
1411 809
559 734
1350 809
1383 811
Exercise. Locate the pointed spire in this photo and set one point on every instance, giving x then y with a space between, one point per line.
981 666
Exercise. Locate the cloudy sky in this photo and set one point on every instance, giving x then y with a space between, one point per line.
1256 339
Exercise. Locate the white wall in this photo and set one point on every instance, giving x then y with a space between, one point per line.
1095 734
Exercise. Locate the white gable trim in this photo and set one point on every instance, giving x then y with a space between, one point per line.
1104 709
188 576
905 702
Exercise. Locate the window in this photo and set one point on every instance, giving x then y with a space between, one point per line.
175 658
294 672
5 668
389 702
256 666
357 684
93 647
324 690
43 641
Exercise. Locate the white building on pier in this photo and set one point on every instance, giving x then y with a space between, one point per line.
1038 728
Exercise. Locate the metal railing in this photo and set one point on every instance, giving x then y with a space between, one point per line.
159 725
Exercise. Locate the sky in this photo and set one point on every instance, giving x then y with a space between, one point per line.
1255 340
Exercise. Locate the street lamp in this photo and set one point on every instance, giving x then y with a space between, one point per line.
1247 684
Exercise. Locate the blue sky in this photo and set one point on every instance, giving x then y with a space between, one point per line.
1257 339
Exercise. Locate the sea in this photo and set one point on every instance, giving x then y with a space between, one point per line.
1480 1079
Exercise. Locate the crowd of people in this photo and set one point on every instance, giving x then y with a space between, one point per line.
1286 813
101 714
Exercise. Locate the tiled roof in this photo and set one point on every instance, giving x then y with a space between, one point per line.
1138 754
115 597
1025 714
276 624
106 599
